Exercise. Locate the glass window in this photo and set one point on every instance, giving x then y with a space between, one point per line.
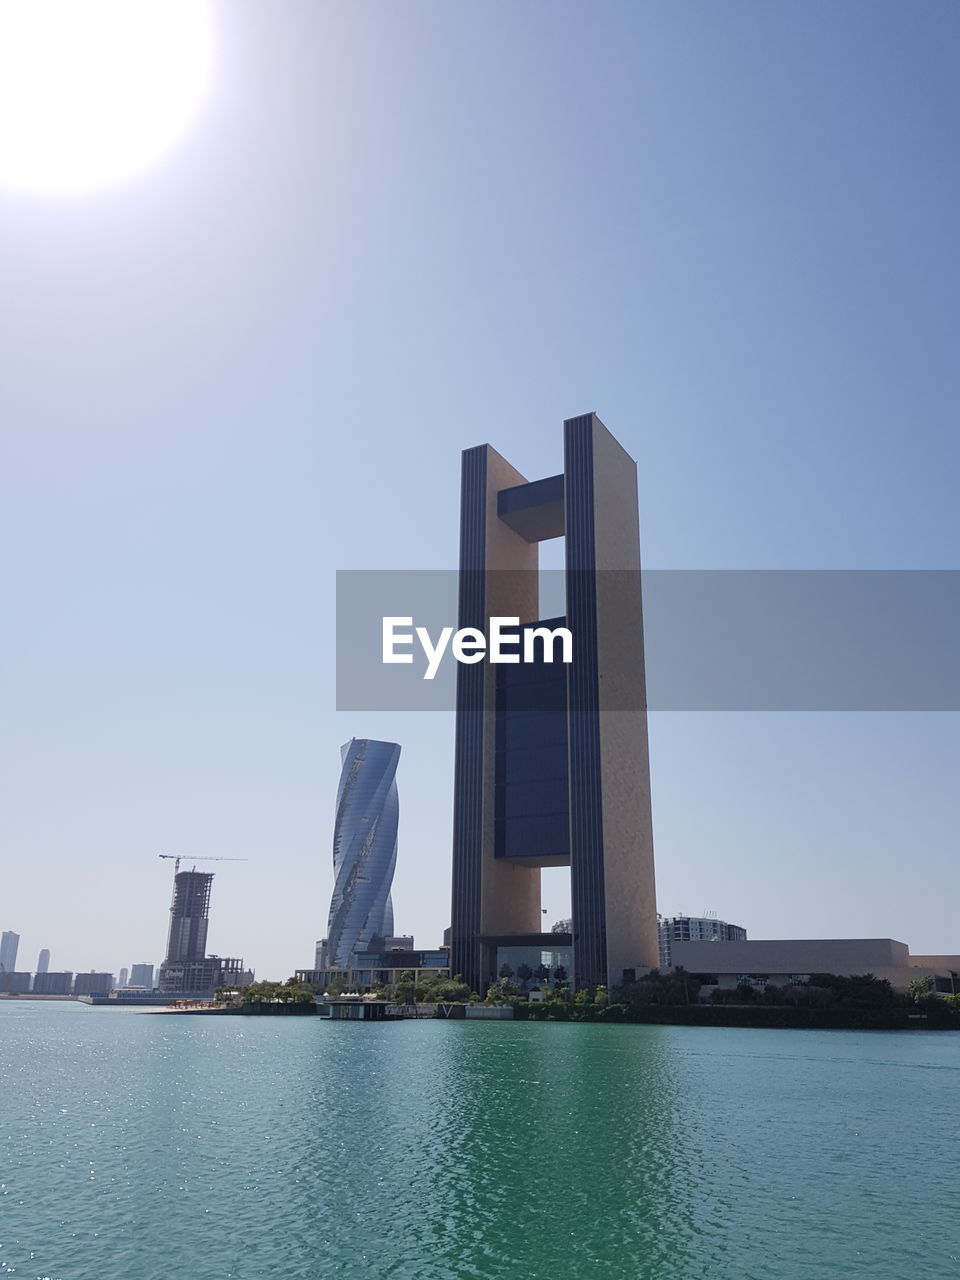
534 764
545 836
532 799
524 729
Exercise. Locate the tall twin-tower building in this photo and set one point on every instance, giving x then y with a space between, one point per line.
552 765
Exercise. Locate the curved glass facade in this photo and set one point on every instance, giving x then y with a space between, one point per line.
364 849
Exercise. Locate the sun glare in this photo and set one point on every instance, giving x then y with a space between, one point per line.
93 91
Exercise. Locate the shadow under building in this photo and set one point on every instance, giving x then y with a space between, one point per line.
552 762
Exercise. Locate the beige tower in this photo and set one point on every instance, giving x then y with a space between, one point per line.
552 764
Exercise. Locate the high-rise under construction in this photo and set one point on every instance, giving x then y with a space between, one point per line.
187 969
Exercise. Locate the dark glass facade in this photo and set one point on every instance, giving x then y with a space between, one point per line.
532 796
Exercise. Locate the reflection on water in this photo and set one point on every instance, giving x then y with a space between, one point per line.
557 1153
134 1146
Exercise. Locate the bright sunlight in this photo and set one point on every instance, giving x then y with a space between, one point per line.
94 91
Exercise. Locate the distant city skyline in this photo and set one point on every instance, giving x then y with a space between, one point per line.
11 948
729 229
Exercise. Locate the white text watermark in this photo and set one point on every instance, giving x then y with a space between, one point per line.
528 644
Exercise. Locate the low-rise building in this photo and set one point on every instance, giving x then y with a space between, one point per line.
93 984
141 975
15 983
52 984
202 977
401 942
383 967
783 961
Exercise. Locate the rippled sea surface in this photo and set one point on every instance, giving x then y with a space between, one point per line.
136 1146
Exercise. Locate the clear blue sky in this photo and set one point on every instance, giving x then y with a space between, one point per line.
396 231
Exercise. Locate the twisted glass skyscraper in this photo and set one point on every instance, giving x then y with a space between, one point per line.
364 849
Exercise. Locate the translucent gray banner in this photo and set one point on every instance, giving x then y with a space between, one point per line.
737 640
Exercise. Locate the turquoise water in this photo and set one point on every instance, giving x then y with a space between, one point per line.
137 1146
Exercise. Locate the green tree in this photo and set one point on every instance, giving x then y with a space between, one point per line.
405 988
921 989
446 990
294 992
853 991
290 992
500 992
668 989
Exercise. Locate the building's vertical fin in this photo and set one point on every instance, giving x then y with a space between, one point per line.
629 909
586 799
468 785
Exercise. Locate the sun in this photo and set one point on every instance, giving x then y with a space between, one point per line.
94 91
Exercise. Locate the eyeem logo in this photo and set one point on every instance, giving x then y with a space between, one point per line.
471 645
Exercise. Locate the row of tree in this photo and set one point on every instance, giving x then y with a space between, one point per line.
289 992
666 990
820 991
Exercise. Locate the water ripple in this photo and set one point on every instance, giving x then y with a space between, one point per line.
134 1147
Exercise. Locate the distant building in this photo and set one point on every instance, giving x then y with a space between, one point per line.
43 961
93 984
141 975
53 984
384 967
9 944
364 850
202 977
122 980
187 969
694 929
786 961
189 918
399 942
14 984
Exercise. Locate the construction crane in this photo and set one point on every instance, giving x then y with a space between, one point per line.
175 858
